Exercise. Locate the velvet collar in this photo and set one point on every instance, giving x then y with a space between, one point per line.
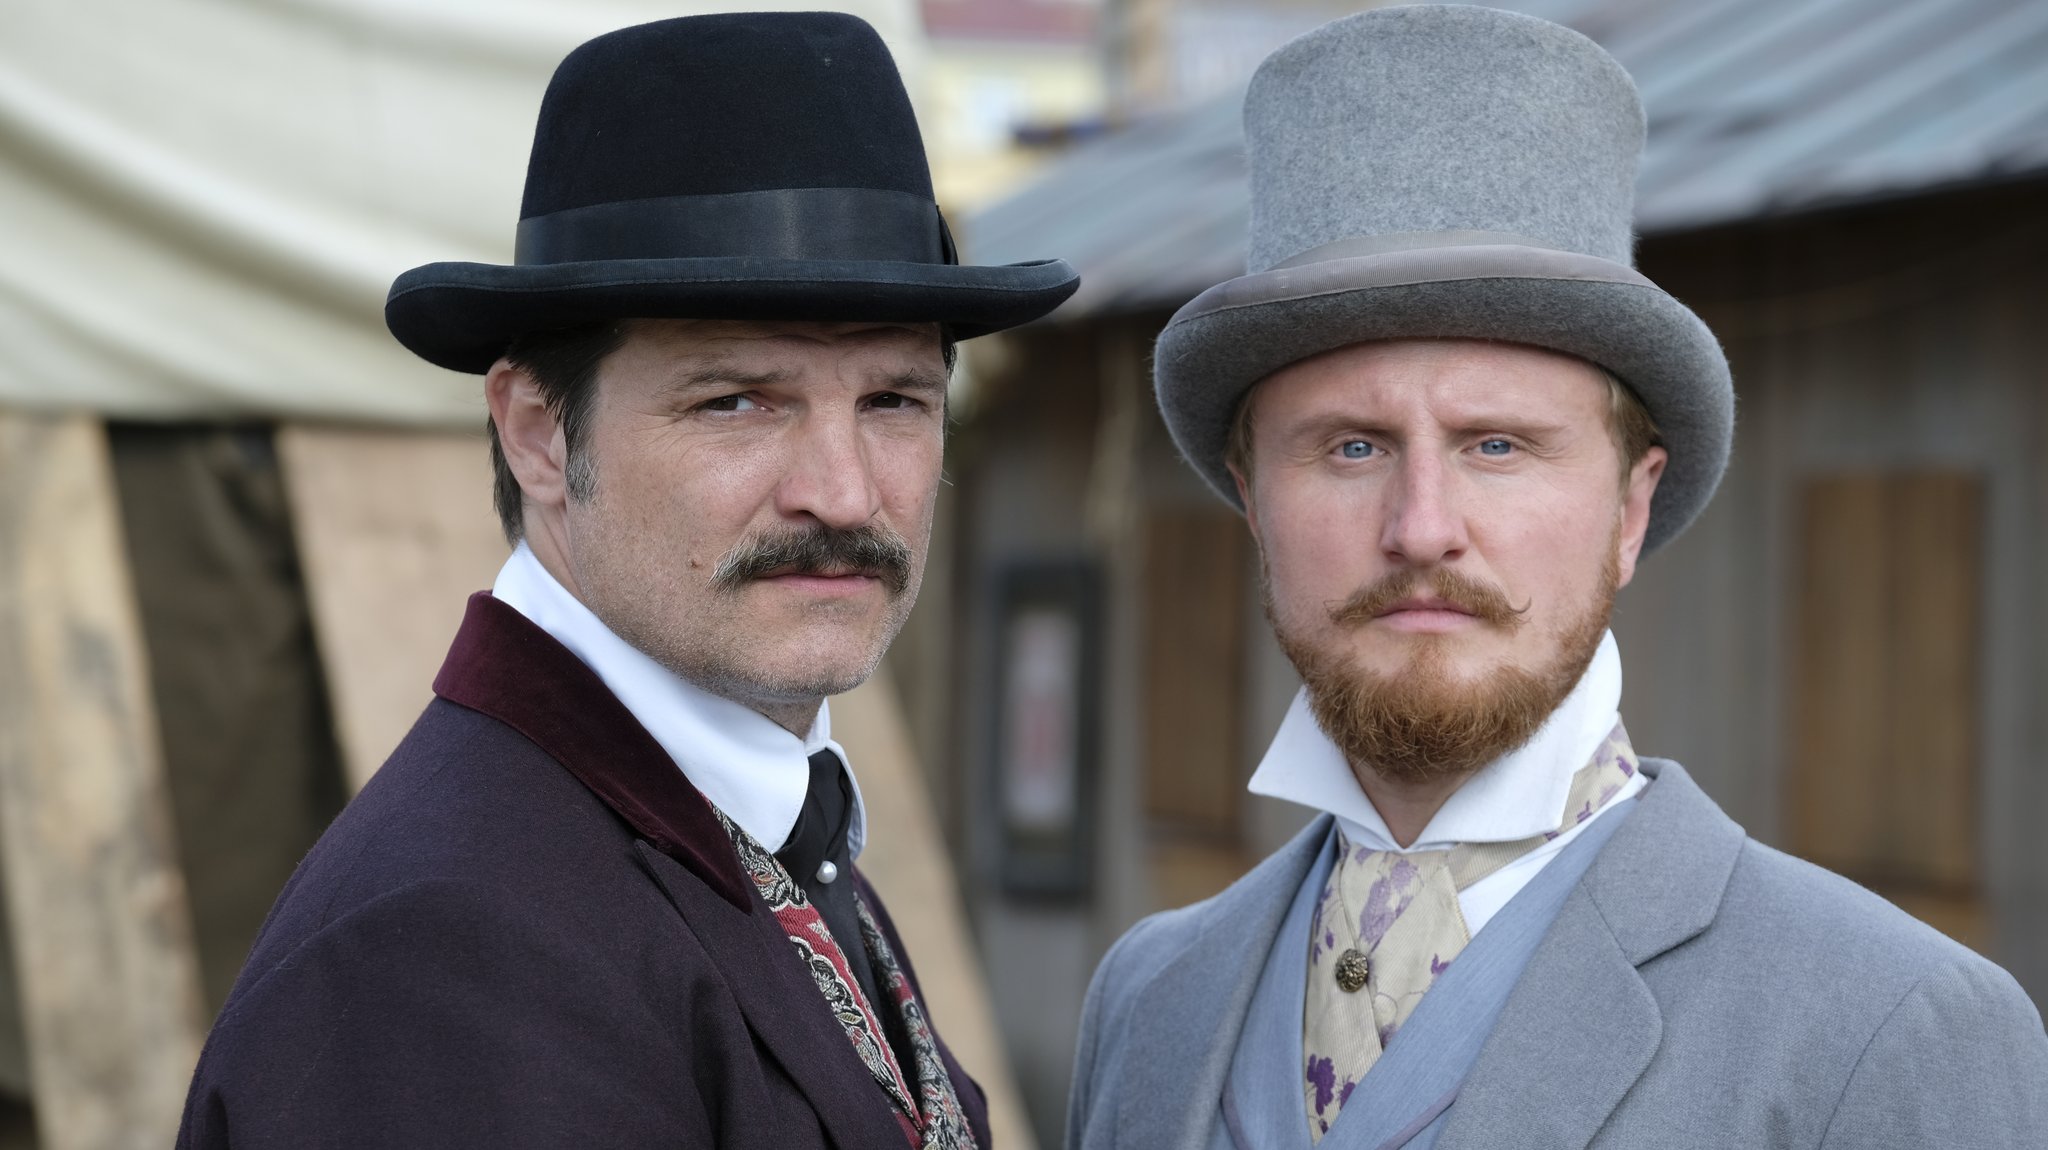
504 666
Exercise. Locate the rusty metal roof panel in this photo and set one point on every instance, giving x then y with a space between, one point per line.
1756 108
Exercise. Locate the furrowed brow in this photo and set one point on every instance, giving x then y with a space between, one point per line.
714 377
918 383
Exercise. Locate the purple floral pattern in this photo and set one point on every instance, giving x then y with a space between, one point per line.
1411 929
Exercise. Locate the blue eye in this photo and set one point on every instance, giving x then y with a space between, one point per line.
1356 449
1495 447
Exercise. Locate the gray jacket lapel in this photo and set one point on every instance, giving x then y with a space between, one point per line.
1262 1095
1424 1068
1189 1015
1581 1026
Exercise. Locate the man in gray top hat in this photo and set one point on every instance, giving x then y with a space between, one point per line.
1455 418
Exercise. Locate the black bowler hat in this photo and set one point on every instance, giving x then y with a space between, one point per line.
735 166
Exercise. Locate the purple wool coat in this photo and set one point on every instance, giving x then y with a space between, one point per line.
529 930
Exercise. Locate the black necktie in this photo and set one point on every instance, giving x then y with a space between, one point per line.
816 856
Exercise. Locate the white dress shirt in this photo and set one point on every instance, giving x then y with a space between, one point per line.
744 763
1517 796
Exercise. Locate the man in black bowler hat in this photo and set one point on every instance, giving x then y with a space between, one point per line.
604 893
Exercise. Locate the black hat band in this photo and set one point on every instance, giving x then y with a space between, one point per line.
782 223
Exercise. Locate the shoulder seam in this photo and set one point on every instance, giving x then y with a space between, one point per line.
1834 1114
347 868
328 928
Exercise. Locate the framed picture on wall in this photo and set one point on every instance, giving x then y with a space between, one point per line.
1045 729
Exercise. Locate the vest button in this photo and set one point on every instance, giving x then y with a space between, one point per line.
1353 969
827 872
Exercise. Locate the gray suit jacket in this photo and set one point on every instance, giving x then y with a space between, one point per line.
1698 989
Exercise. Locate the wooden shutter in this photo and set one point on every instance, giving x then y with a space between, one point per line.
1882 775
1194 654
1195 572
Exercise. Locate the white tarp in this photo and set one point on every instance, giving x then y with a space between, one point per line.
203 202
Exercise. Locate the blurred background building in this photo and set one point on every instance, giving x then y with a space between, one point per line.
1846 650
237 521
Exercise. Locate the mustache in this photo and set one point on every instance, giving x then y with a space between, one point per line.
870 550
1483 601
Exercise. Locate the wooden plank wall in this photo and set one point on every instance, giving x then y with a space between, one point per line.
1194 643
1895 338
1195 564
1883 783
96 903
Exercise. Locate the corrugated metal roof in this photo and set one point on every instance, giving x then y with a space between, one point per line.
1756 107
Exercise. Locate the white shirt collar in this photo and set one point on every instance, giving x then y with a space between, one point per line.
745 764
1516 796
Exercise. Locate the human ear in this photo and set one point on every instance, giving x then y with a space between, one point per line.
1635 510
528 434
1244 496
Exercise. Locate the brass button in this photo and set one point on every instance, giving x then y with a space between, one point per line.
1352 970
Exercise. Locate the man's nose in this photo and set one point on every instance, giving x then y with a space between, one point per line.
827 473
1423 525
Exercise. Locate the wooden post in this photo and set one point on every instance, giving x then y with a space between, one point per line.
95 899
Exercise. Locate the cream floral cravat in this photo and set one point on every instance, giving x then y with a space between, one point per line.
1388 924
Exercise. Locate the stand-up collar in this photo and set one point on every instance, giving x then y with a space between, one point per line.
747 765
1517 796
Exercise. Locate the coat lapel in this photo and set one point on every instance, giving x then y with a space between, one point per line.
1188 1016
1581 1025
504 666
1579 1030
782 1006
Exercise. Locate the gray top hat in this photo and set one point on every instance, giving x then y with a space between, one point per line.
1449 172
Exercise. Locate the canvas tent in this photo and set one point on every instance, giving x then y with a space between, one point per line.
239 519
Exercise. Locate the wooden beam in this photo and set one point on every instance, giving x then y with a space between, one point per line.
96 903
395 530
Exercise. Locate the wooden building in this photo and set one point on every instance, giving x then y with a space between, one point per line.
1847 650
